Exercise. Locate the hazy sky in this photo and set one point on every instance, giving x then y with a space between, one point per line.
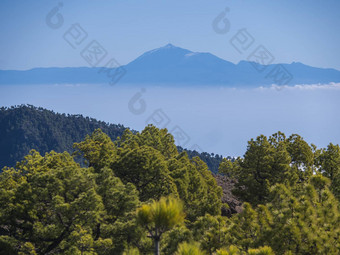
304 31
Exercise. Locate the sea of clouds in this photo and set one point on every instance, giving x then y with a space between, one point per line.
213 119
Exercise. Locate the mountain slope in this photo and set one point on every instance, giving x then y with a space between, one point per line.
170 64
177 66
27 127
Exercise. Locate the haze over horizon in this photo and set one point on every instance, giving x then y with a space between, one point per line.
168 45
214 119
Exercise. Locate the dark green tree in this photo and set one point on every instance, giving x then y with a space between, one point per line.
151 162
98 150
147 169
265 163
304 222
46 201
329 165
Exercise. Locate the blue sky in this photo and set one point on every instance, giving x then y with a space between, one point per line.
302 31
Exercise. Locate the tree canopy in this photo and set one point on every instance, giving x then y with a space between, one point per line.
139 194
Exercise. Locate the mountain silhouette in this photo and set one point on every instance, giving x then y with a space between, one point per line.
171 65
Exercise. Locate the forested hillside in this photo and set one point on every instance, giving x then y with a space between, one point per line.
139 195
26 127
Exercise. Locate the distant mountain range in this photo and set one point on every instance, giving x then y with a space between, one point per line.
176 66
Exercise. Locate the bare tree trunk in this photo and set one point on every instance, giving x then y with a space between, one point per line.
157 239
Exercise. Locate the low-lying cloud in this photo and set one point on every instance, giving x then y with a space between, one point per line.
329 86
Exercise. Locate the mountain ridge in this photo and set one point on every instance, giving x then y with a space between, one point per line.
178 66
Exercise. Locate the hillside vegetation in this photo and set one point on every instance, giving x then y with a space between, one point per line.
26 127
139 195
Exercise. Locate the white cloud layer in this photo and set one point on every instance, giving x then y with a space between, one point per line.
319 86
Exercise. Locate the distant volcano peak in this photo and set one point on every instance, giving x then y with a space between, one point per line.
171 64
169 45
